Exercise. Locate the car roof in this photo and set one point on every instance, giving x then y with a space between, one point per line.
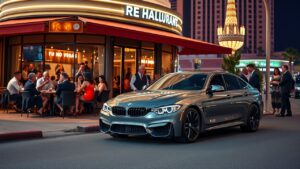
201 72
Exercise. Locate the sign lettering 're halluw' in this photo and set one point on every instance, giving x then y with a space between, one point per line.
149 14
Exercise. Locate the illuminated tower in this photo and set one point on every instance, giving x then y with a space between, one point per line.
231 36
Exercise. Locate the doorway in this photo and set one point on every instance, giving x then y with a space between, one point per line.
124 67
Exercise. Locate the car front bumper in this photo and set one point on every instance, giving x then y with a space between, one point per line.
154 125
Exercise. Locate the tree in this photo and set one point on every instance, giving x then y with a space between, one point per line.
291 54
231 61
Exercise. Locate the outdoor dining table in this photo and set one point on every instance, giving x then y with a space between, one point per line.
51 94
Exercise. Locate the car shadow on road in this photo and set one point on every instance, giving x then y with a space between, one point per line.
209 136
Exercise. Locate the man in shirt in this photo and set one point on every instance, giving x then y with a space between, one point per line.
44 83
82 69
286 86
244 75
253 77
30 87
139 81
14 87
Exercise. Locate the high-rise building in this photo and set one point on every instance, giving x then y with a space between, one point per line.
202 17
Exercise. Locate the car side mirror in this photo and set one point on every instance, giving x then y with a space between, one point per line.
215 88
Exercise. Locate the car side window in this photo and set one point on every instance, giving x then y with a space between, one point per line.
217 80
242 83
231 82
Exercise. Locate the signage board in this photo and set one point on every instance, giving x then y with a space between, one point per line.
152 15
66 26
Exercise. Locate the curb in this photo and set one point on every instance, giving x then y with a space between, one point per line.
21 135
88 129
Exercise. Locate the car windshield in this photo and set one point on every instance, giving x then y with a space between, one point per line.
180 82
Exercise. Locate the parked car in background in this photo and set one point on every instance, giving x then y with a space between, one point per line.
183 105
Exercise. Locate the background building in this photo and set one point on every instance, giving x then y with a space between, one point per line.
202 17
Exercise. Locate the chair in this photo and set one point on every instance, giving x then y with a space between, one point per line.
26 102
6 102
68 100
90 105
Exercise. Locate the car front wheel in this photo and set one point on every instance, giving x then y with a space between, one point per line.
190 126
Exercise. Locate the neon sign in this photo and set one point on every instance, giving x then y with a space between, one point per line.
154 15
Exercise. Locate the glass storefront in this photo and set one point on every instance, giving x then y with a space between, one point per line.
58 53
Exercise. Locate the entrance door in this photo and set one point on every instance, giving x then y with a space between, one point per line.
124 68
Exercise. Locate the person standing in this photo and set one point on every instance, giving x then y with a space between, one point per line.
139 81
286 85
275 95
253 77
244 75
14 88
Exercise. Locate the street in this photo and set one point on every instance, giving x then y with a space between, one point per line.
274 146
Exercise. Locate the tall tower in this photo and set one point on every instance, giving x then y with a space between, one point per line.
231 36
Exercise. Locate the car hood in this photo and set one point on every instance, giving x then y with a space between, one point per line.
150 98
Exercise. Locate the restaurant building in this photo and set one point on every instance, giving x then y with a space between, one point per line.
113 37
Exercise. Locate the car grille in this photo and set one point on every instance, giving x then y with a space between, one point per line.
128 129
136 112
119 111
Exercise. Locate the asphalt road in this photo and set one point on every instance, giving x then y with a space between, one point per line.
274 146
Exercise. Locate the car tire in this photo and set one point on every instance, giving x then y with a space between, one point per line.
253 120
191 126
119 135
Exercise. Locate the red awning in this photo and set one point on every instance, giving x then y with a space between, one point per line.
24 26
189 46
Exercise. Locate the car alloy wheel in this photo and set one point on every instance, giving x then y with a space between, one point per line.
253 120
191 125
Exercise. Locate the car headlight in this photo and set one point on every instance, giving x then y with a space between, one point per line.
106 109
297 88
166 109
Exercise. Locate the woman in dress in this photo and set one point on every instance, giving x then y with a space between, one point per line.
87 88
102 86
276 101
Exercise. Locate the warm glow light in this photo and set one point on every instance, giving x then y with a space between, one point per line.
231 36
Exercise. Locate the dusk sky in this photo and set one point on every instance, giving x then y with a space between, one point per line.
287 24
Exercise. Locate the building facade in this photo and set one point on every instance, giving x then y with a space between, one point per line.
112 37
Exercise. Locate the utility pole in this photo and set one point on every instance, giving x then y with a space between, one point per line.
268 51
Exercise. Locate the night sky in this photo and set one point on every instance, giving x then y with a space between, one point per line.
287 24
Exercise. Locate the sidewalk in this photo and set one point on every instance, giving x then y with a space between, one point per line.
13 124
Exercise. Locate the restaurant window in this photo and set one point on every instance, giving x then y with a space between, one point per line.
59 58
166 63
147 59
32 58
92 56
15 58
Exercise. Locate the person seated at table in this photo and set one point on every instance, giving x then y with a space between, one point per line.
65 85
79 80
87 87
30 87
102 86
14 88
54 82
44 84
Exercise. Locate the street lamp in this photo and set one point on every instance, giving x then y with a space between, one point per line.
268 51
231 36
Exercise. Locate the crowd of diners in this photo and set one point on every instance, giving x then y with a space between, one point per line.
42 85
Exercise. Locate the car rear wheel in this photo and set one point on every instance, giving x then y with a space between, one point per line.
253 120
190 126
